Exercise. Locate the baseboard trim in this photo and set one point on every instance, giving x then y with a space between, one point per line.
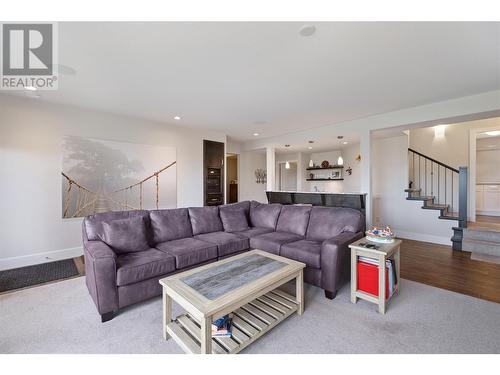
423 237
488 213
49 256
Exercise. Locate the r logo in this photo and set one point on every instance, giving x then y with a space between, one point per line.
27 49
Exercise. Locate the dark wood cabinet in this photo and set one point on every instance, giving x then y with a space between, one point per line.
233 193
213 173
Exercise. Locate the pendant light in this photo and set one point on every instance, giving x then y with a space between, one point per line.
340 160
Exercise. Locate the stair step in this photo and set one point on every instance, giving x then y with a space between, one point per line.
420 198
435 207
449 217
482 247
482 235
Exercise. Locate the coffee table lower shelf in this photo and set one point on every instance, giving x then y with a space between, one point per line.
250 322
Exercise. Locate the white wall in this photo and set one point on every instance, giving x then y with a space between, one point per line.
30 172
453 148
249 189
349 184
390 207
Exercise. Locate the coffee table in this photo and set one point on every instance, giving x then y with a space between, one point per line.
245 285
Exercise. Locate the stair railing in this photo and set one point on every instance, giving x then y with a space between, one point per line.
436 179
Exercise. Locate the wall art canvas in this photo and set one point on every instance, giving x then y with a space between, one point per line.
99 176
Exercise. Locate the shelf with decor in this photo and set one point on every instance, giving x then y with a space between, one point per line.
324 179
325 172
320 168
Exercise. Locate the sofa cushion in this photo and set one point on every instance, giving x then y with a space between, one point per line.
93 223
227 243
271 242
244 205
234 219
255 231
205 219
264 215
294 219
170 225
306 251
328 222
189 251
139 266
125 235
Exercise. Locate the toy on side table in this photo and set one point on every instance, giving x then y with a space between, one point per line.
382 235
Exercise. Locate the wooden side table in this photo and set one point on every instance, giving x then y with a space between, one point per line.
381 254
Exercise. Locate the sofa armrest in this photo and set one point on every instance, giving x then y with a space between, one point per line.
99 250
100 275
336 260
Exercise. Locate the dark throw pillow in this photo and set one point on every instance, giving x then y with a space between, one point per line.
126 235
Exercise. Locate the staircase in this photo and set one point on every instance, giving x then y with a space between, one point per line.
483 241
441 188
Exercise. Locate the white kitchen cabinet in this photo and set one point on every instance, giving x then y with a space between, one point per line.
479 197
488 199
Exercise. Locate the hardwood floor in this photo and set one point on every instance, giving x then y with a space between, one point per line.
485 223
440 266
80 265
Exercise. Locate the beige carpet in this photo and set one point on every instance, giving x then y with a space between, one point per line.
61 318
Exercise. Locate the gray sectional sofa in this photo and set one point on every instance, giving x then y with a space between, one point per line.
126 253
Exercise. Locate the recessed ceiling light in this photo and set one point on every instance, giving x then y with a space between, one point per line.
255 134
310 148
30 88
177 117
345 142
307 30
493 133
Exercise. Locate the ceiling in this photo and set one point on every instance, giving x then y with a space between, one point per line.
321 145
266 78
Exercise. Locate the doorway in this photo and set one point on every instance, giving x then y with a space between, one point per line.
232 178
287 180
485 177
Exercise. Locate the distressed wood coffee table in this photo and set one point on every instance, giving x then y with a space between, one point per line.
245 285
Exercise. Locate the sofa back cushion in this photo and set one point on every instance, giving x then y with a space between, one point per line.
235 216
93 224
205 219
264 215
244 205
168 225
125 235
294 219
328 222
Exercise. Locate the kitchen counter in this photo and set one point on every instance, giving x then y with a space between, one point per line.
320 198
315 192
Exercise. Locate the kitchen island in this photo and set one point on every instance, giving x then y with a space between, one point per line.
350 200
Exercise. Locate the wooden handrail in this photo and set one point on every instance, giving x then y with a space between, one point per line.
434 160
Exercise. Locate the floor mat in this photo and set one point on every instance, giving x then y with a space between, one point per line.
38 274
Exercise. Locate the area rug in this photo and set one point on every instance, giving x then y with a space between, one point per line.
38 274
61 318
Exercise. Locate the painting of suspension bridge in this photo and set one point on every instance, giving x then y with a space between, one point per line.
99 176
